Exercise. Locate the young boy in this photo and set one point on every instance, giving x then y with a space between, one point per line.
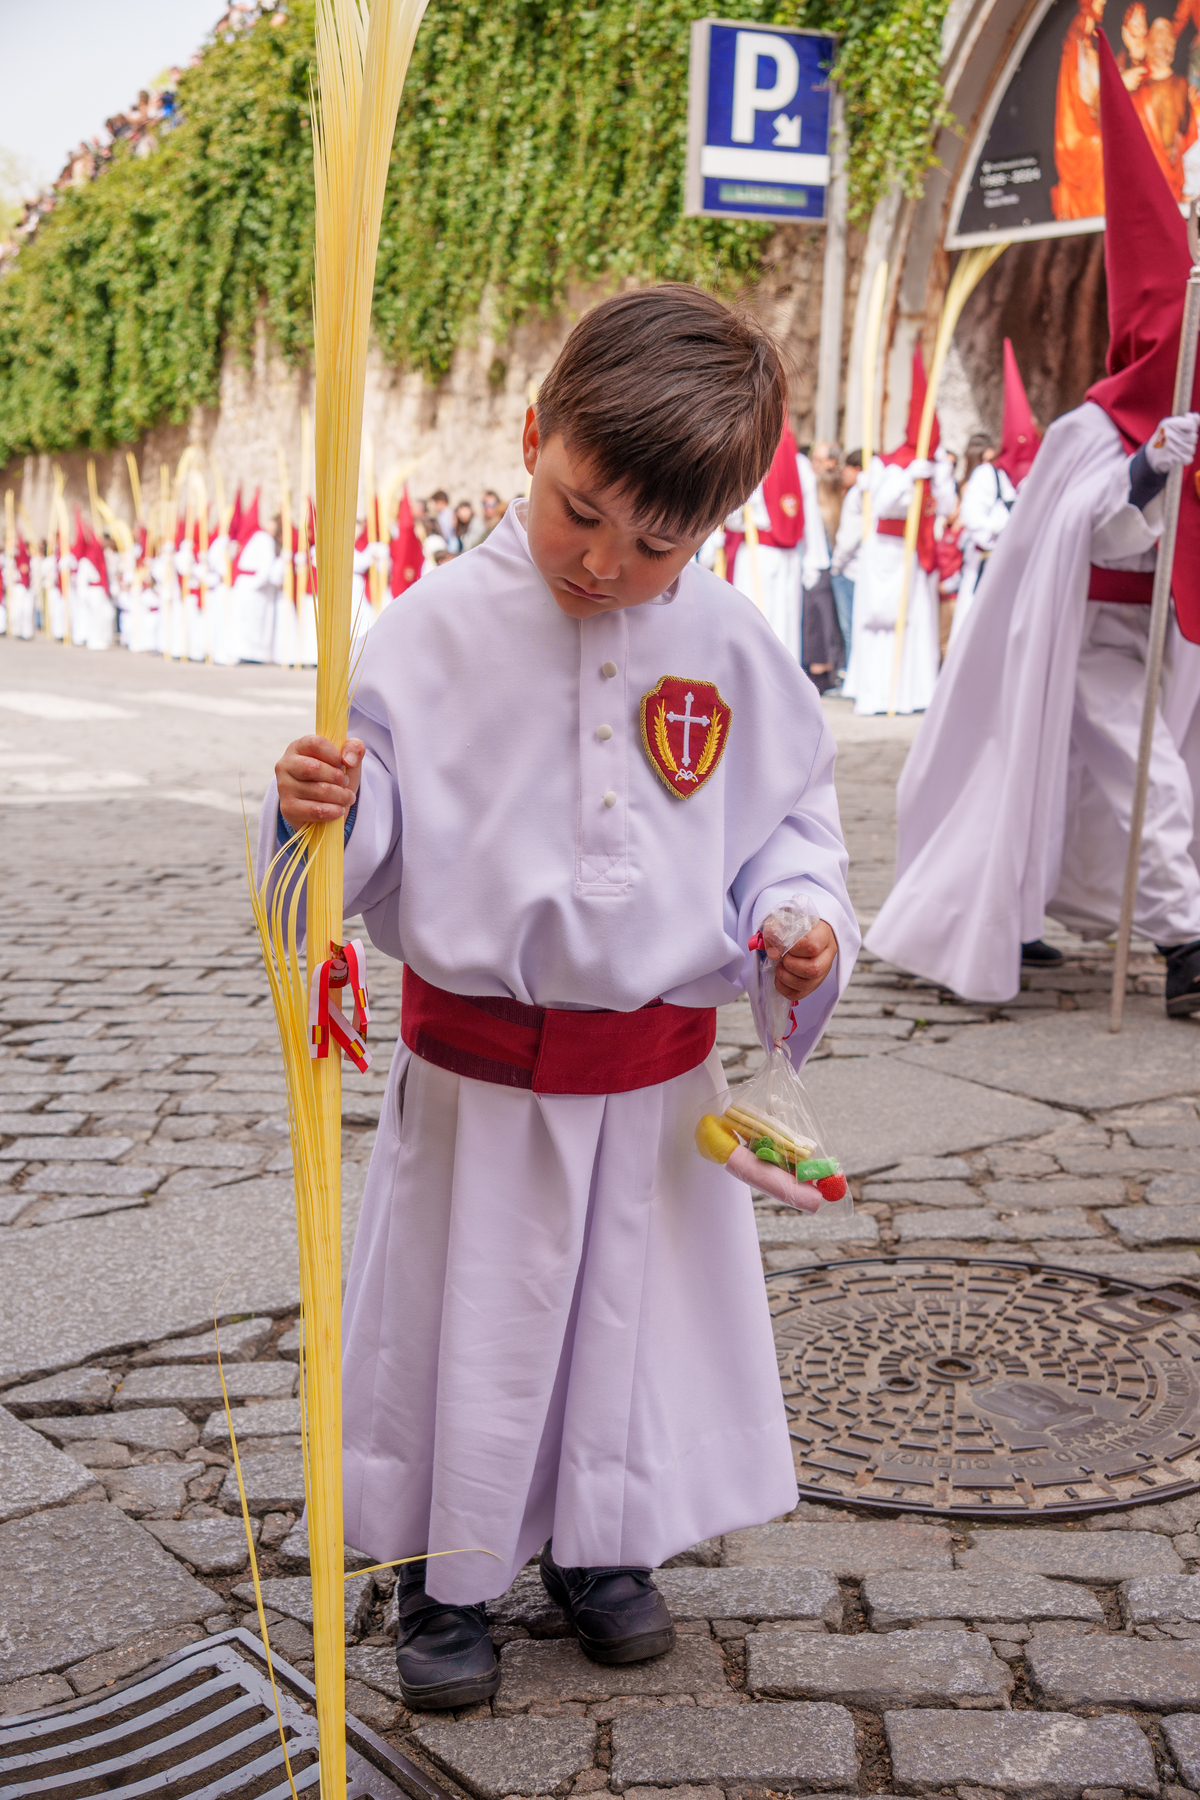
583 771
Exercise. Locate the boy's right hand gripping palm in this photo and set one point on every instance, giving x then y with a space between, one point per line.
317 781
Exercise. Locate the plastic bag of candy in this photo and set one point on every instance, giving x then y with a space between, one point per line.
767 1132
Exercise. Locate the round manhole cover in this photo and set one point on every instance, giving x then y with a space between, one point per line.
960 1386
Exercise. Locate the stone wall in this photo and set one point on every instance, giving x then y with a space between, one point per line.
462 434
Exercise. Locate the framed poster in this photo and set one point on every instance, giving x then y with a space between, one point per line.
758 121
1035 168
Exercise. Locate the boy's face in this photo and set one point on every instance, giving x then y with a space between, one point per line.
587 543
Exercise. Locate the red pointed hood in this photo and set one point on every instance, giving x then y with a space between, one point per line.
1146 261
916 406
249 521
235 518
1019 437
93 549
926 543
79 541
781 492
180 531
407 553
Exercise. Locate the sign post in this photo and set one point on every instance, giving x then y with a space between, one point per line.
763 143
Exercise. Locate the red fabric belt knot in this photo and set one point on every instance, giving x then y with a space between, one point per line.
549 1050
891 527
1121 587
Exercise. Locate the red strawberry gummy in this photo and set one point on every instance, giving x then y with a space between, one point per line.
831 1187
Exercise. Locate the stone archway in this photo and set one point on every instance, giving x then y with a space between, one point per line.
1050 299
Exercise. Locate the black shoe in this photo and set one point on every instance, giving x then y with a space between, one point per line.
618 1614
1183 979
444 1654
1041 955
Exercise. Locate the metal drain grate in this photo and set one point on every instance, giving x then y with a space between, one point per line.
199 1726
979 1388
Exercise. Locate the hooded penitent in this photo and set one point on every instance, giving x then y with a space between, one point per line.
1019 435
784 503
1000 815
901 457
1146 262
247 527
406 549
781 492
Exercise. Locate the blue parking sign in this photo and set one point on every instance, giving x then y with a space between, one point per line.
758 121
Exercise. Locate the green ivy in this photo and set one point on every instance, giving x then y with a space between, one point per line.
540 144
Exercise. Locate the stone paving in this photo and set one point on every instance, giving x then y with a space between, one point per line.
144 1178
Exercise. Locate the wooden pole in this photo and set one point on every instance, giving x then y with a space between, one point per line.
1160 613
870 360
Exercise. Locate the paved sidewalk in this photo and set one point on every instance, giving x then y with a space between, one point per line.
144 1163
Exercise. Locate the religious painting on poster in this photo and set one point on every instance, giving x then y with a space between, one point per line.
1036 168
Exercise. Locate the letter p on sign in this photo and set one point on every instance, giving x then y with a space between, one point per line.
759 105
749 98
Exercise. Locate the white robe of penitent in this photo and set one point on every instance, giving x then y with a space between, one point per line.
1015 799
774 578
18 599
555 1319
987 501
877 591
221 634
97 616
254 600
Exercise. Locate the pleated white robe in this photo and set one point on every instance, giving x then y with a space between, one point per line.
877 592
555 1320
1014 801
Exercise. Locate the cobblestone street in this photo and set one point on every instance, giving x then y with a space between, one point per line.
145 1170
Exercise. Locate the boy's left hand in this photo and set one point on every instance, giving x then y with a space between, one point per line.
802 970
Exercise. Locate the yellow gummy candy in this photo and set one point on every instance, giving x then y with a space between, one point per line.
714 1139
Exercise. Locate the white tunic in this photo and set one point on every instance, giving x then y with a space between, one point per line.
555 1318
254 599
877 591
1014 801
97 614
18 601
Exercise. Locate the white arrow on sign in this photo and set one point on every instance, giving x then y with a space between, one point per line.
787 132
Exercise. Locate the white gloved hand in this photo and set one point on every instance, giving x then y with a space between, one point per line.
1173 445
920 470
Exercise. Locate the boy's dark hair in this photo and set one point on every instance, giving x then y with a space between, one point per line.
672 397
854 459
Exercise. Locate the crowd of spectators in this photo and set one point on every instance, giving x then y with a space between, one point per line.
140 128
446 531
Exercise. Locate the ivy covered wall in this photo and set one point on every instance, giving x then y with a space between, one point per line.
540 144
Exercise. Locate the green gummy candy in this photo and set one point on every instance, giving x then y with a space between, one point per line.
816 1169
765 1151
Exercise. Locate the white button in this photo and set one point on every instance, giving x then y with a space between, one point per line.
610 799
604 732
608 669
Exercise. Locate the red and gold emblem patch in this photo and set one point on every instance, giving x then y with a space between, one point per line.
685 727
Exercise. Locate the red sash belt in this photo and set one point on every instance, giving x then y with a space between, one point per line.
550 1050
1121 587
891 527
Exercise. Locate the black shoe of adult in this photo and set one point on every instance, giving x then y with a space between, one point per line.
1183 980
618 1614
444 1654
1041 955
